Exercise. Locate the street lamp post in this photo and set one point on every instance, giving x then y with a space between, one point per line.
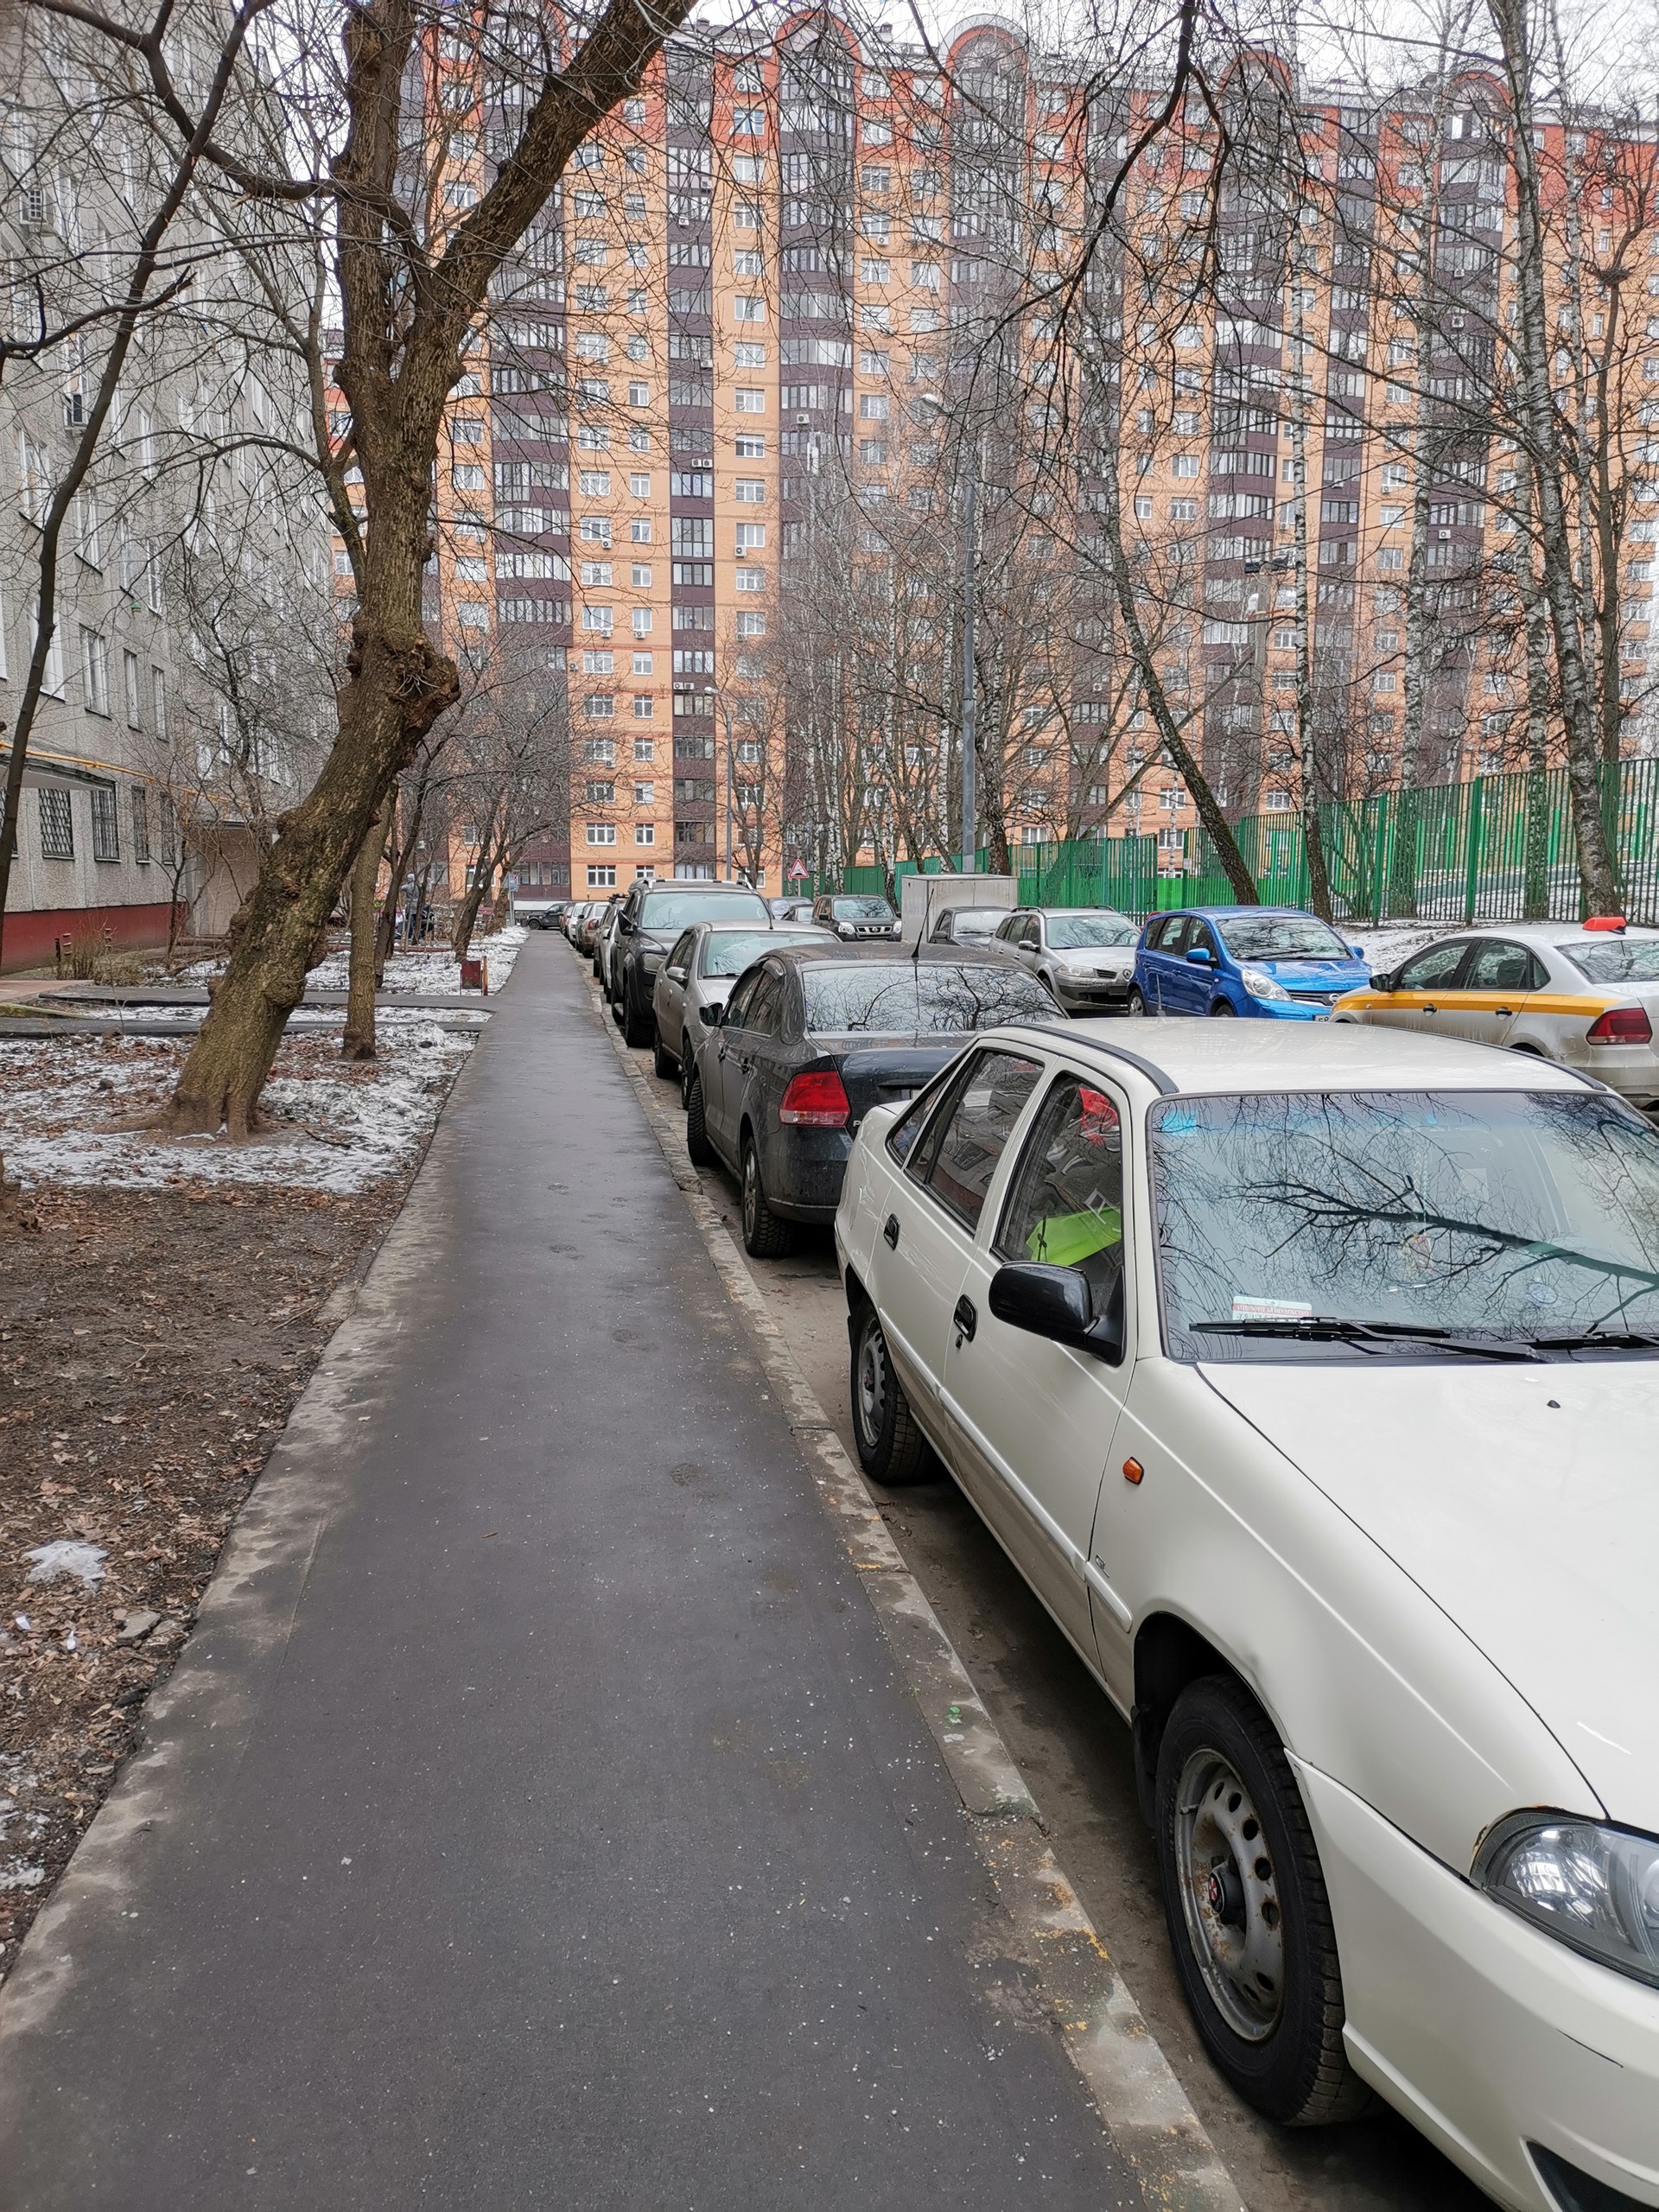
969 699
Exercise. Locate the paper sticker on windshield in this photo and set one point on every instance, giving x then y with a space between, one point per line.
1269 1309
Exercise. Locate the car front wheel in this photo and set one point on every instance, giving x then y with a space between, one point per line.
1247 1910
891 1447
1134 1003
1220 1006
766 1235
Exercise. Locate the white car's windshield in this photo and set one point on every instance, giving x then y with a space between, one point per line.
1067 932
1616 959
967 922
729 952
1282 937
1352 1224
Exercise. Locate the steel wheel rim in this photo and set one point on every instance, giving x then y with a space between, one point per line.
871 1396
1235 1923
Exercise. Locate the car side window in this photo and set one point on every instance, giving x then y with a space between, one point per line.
974 1130
737 1006
1499 967
761 1013
1066 1204
1200 933
680 956
1174 939
1435 969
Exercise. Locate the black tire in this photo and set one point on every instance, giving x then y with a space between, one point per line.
663 1062
891 1447
766 1235
1249 1917
697 1136
637 1028
1134 1003
1222 1006
687 1073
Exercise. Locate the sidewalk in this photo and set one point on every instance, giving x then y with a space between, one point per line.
536 1818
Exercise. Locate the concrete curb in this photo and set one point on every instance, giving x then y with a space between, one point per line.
1144 2107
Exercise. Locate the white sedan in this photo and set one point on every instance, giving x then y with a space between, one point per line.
1312 1379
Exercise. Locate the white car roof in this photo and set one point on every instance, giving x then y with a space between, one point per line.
1551 932
1267 1056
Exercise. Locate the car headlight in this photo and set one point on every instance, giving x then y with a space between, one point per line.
1592 1887
1260 985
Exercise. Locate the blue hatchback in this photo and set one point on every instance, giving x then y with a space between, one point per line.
1274 962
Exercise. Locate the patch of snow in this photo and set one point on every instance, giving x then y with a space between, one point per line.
339 1127
1386 947
14 1874
67 1556
423 971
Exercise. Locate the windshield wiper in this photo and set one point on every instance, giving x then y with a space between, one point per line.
1618 1340
1326 1328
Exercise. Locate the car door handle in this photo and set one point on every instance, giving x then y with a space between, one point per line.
1505 1010
965 1320
1429 1009
890 1231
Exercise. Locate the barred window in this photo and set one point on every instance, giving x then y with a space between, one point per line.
106 826
57 825
140 823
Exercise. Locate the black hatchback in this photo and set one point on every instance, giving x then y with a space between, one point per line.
808 1042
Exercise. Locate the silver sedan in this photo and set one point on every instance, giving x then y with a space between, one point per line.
1085 955
696 981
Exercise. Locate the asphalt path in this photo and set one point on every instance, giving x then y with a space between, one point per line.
536 1817
1074 1753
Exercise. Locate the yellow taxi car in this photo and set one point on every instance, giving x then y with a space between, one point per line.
1584 993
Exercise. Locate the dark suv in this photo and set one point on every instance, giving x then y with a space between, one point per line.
653 916
854 916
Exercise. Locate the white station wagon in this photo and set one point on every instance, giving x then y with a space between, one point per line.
1312 1379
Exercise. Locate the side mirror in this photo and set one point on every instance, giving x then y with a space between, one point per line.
711 1016
1201 956
1358 951
1058 1304
676 975
1381 982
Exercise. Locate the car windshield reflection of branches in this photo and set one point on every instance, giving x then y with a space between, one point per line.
906 998
1529 1215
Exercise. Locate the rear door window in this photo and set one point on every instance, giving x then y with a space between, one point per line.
1499 967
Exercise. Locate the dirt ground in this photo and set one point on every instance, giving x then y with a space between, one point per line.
151 1345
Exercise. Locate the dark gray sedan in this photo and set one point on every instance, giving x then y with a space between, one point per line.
809 1041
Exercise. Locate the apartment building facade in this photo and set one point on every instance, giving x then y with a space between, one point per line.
187 685
794 293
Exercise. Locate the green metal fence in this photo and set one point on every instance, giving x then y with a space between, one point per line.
1500 849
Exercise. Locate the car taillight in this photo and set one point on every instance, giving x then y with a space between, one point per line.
1621 1025
815 1100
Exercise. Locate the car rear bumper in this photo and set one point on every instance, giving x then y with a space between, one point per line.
1488 2034
804 1170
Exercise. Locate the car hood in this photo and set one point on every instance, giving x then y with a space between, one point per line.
1096 955
1534 1525
1315 975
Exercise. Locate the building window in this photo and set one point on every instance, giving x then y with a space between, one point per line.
747 308
140 823
645 709
751 625
95 670
601 879
601 833
750 401
644 833
106 825
57 825
132 687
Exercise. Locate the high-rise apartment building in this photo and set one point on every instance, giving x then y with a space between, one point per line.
711 472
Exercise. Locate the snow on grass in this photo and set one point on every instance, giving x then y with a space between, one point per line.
340 1127
67 1555
425 971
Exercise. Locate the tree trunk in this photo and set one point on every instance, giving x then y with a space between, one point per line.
358 1043
1319 873
402 852
1535 406
1123 584
398 686
461 938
